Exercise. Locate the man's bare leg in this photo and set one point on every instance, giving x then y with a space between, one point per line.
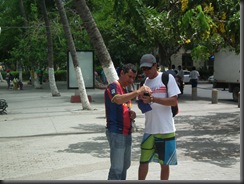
143 170
164 172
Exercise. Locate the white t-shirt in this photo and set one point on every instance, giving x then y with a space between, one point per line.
194 74
181 74
159 120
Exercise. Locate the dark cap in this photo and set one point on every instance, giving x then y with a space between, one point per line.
147 60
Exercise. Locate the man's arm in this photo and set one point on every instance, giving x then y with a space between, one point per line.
119 99
171 101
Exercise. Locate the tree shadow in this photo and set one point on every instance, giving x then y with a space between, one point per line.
213 138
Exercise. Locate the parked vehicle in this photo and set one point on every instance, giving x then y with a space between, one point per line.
211 79
227 71
186 77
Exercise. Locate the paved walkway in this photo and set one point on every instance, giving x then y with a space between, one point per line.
48 138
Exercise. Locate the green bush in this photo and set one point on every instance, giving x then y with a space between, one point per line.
99 69
204 73
61 75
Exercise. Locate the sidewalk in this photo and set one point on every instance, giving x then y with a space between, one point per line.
48 138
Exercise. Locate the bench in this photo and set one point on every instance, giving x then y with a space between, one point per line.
3 106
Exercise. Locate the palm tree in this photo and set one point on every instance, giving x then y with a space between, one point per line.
51 76
72 49
96 40
23 13
33 74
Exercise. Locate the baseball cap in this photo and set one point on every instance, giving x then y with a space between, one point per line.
147 60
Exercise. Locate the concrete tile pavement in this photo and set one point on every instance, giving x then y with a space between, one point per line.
49 138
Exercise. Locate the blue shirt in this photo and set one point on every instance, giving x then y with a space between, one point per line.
117 115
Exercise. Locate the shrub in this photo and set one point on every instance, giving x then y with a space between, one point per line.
61 75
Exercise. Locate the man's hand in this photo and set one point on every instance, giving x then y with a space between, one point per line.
144 89
146 99
132 114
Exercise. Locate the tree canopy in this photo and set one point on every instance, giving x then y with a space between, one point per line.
129 29
201 26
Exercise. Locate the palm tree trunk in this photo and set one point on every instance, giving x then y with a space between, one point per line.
51 76
23 13
97 40
165 57
81 84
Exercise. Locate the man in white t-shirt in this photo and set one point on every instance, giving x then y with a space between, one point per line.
194 76
180 77
158 143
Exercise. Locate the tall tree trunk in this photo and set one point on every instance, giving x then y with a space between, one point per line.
164 55
71 45
22 10
33 75
51 76
20 64
96 40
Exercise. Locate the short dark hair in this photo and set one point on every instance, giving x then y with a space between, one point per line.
126 68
